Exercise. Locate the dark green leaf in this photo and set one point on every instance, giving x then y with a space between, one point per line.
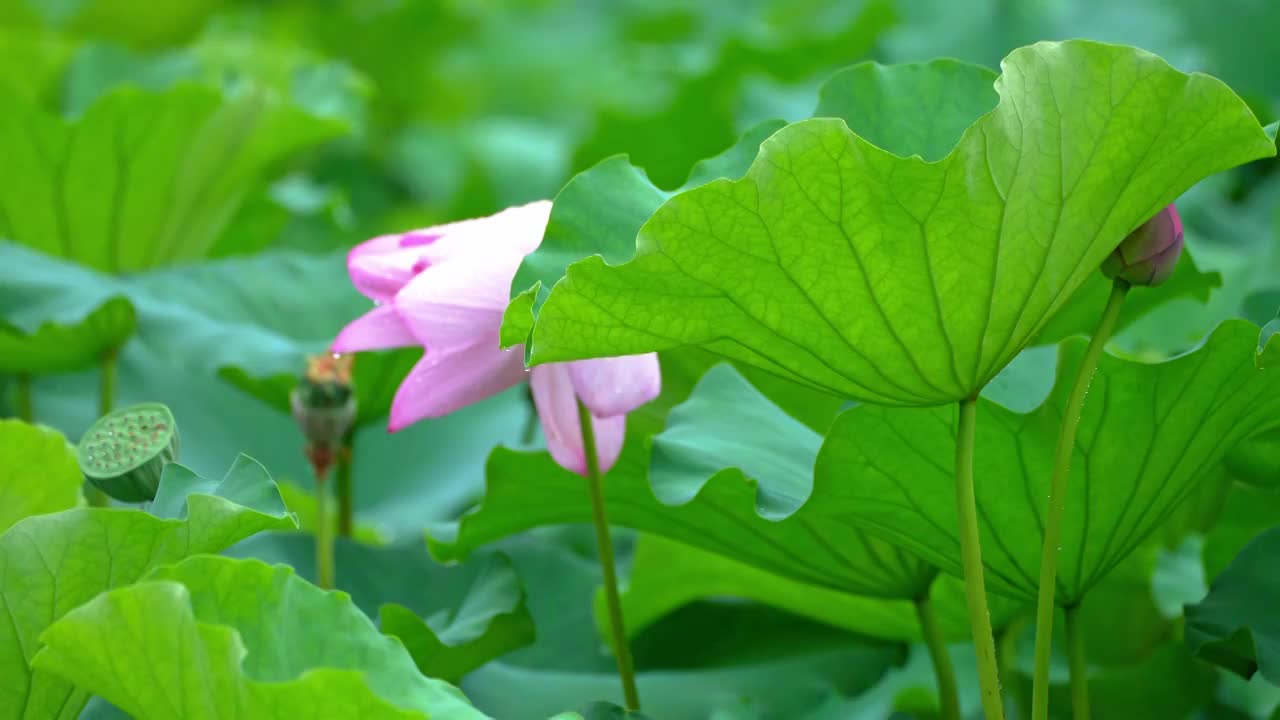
1236 626
57 348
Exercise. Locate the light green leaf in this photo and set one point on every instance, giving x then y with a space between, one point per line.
1148 435
215 637
50 564
57 348
39 473
838 264
1236 625
142 179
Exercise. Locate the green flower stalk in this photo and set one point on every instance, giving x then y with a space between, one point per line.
1147 257
123 454
324 407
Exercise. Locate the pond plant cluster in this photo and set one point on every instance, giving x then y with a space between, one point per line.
761 361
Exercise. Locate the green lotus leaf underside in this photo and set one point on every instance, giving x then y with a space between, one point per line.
1149 433
735 482
891 279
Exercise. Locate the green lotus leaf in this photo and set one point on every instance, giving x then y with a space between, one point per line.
50 564
1168 683
452 619
142 179
1148 435
58 348
490 621
1247 511
841 265
667 575
216 637
1236 625
752 509
39 474
688 665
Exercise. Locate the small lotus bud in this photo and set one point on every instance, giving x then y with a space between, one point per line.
323 402
1150 253
124 452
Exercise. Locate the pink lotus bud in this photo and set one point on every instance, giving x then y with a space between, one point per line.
1150 253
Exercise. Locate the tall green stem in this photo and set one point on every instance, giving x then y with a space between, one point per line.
948 695
621 646
26 411
975 591
324 535
1058 498
1078 664
342 484
107 383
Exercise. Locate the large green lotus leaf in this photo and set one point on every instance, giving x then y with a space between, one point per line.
667 575
900 281
746 503
51 564
726 423
142 179
39 472
688 665
601 210
1236 625
215 637
1148 435
452 619
54 348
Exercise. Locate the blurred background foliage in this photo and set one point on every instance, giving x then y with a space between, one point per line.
211 161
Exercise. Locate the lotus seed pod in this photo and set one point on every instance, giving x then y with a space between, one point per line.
1149 254
124 452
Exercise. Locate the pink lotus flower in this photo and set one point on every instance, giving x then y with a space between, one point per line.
445 288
